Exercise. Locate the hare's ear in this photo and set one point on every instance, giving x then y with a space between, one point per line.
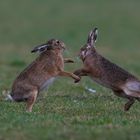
40 48
92 37
95 33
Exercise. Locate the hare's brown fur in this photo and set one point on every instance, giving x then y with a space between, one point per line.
107 73
40 73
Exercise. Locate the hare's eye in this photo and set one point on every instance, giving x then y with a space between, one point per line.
57 42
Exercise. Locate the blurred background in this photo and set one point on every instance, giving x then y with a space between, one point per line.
27 23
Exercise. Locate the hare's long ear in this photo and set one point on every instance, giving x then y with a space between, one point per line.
95 33
92 37
40 48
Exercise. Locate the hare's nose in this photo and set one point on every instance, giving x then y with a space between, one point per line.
63 47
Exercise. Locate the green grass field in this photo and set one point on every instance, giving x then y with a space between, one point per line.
67 111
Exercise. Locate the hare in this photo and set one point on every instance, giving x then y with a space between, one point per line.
40 73
106 73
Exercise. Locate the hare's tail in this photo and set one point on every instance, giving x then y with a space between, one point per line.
7 95
132 88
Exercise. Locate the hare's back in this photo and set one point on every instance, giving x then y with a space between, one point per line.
113 72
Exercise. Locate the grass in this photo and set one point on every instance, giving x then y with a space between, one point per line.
68 111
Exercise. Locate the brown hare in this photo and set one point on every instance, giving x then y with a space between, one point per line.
40 73
107 73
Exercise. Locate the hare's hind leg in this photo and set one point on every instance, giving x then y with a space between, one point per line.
130 102
31 100
138 99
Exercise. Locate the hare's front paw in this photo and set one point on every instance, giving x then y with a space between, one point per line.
68 60
77 79
76 72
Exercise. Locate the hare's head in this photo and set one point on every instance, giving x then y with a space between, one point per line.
89 47
52 44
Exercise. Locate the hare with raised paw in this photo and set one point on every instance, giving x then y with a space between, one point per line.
107 73
41 72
